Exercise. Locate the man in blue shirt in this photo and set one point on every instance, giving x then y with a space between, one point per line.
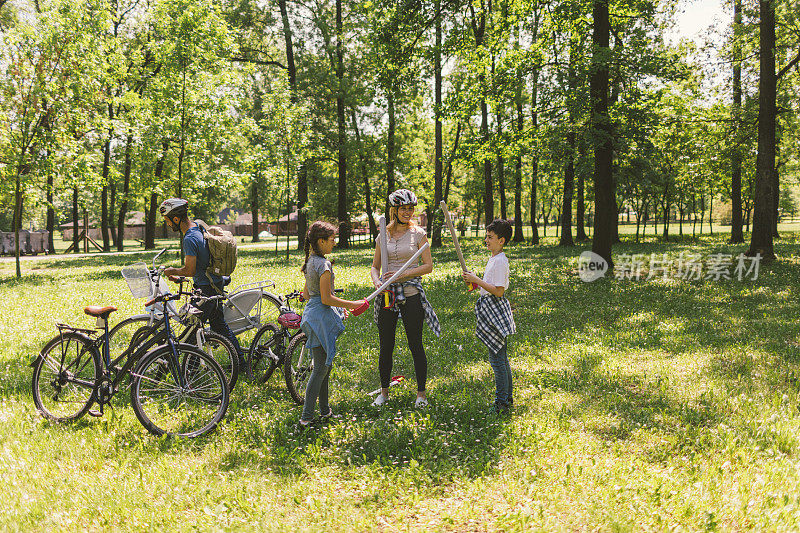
196 259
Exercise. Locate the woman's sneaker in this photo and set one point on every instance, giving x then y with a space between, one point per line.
380 399
420 402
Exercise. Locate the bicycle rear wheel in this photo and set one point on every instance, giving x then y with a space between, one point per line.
297 367
66 377
183 394
223 352
266 352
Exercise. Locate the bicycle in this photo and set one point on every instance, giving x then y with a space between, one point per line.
275 345
176 388
243 310
144 282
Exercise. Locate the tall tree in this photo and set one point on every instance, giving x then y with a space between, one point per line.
736 158
437 141
341 206
763 213
478 23
302 177
605 202
569 167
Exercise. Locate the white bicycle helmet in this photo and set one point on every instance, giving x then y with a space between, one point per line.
173 207
402 197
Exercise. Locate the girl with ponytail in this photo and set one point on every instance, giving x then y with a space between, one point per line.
322 317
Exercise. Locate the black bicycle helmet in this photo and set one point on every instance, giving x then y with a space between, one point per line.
173 207
402 197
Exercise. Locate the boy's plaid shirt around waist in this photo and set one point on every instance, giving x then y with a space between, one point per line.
397 291
495 321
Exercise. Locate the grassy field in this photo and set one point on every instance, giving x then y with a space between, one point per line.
639 405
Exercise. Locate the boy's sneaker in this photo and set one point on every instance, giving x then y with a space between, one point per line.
380 399
302 427
420 402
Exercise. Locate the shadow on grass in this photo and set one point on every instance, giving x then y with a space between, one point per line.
458 436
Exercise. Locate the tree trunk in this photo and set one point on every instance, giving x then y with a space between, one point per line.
776 183
341 206
501 173
302 175
711 213
488 193
580 218
535 155
518 236
373 228
389 151
75 242
437 112
702 211
17 221
112 206
150 224
478 30
569 183
123 207
302 200
736 158
761 236
254 208
51 215
605 203
104 218
666 209
450 163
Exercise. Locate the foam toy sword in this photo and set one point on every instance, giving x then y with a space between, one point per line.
383 242
414 258
452 230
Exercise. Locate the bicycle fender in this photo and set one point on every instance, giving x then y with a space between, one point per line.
83 337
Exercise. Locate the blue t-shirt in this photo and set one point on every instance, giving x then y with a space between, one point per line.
194 244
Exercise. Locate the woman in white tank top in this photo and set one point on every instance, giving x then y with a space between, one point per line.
407 295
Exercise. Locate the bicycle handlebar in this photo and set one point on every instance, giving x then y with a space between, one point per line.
298 295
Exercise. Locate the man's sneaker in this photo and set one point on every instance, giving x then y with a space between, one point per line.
380 399
420 402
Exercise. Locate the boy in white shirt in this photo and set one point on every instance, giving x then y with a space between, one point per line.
493 311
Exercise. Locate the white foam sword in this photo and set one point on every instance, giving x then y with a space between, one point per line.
414 258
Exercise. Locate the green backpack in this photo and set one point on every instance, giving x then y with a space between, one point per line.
221 247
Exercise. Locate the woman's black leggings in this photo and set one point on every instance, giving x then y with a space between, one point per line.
413 316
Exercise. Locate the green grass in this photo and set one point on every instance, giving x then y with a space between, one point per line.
640 405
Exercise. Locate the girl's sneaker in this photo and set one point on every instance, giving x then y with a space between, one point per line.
330 416
380 399
420 402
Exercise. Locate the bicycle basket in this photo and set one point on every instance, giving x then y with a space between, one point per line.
138 278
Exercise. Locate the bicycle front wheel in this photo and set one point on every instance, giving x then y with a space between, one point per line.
297 367
66 378
182 393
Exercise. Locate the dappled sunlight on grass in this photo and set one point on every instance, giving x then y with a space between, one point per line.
638 404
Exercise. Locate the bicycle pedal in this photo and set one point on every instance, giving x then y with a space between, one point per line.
95 413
